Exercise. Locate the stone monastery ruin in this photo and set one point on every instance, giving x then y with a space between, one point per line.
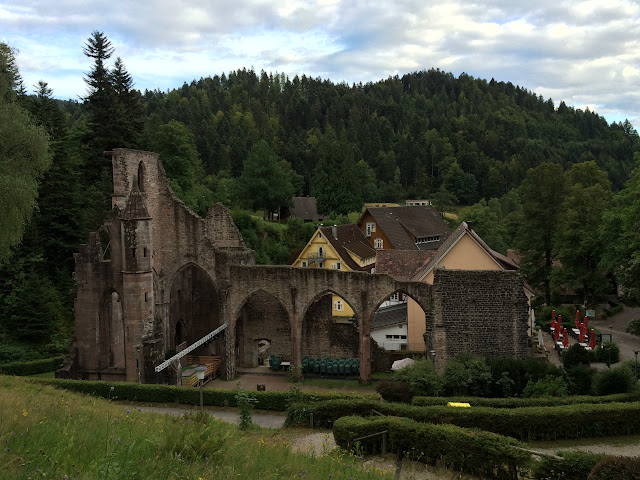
156 278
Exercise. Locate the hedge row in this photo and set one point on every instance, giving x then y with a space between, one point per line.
469 450
516 402
572 466
134 392
528 423
32 367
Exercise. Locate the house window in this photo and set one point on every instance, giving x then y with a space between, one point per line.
338 306
336 266
371 227
378 243
319 236
320 264
304 264
320 252
394 297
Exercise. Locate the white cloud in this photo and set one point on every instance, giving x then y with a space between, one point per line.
584 52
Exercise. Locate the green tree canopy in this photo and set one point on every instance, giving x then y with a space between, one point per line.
264 183
541 195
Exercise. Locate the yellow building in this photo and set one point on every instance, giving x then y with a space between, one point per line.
342 247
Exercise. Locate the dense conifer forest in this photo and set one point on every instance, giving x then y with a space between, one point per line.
554 182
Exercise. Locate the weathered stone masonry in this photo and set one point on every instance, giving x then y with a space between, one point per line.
156 274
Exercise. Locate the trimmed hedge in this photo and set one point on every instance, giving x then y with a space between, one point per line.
218 397
518 402
616 468
575 466
32 367
469 450
528 423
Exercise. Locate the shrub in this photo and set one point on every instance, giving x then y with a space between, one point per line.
547 387
580 380
543 315
392 391
465 375
33 367
422 377
515 402
608 353
616 468
574 466
529 423
616 380
634 327
191 396
576 355
245 403
485 454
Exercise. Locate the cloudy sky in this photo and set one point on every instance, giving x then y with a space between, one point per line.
583 52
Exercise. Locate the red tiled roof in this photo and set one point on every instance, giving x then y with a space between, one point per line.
402 264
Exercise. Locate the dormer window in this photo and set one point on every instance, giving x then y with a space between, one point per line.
431 239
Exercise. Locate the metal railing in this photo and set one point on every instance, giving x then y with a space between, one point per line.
191 347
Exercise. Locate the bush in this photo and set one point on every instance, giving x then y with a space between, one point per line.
33 367
392 391
465 375
634 327
580 380
543 315
616 468
576 355
485 454
529 423
547 387
526 402
519 371
134 392
616 380
608 353
575 466
422 377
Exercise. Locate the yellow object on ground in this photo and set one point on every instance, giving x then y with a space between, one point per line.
458 404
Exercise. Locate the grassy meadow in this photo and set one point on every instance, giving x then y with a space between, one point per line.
50 433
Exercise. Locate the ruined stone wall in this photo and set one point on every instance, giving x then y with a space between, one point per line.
483 313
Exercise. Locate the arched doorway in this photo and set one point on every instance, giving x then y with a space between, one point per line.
262 326
328 338
194 310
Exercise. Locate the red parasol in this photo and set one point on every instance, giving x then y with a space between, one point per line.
556 334
592 342
582 333
565 338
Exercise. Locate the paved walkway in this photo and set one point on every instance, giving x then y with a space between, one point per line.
267 420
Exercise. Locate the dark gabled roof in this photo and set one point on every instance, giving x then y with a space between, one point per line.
305 208
402 264
404 225
503 261
350 239
392 315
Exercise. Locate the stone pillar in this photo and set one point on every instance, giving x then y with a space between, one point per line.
365 317
296 347
229 335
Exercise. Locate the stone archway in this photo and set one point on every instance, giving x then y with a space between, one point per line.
262 317
194 310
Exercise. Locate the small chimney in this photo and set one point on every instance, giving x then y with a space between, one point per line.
469 225
334 231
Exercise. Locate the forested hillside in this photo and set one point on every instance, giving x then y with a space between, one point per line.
518 165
